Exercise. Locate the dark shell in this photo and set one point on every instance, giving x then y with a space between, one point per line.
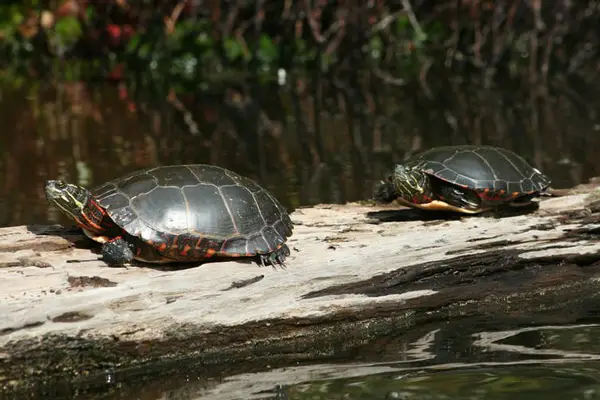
196 206
481 168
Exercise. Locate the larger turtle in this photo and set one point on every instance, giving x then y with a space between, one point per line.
179 213
467 179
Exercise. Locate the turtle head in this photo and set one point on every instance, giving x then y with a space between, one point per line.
412 184
71 199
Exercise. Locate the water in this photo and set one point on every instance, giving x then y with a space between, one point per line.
90 134
452 361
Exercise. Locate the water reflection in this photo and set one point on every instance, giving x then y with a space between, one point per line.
545 362
305 155
554 366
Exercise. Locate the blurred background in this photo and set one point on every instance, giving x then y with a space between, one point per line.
315 99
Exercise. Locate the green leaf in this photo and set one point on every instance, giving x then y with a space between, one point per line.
267 51
420 38
402 24
10 18
90 12
133 43
204 40
68 29
233 48
375 47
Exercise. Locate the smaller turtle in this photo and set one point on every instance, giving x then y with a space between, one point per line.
178 213
466 179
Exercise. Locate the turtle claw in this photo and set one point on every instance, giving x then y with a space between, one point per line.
276 258
262 260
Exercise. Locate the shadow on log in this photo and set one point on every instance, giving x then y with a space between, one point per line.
352 280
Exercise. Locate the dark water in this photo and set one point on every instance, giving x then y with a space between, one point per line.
446 362
305 155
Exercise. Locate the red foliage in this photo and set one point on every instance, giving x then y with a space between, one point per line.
119 34
116 74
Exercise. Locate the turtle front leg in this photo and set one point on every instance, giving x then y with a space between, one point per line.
460 198
116 252
385 192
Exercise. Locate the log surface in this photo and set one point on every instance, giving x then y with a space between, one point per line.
356 273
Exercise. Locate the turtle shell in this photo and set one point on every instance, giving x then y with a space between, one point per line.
489 171
190 212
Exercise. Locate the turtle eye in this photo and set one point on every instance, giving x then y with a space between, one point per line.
61 185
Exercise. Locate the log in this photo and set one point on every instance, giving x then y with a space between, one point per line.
357 273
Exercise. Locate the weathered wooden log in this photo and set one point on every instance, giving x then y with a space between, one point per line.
357 273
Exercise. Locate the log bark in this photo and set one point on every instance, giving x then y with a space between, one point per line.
357 273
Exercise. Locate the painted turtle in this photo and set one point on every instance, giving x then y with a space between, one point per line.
179 213
467 179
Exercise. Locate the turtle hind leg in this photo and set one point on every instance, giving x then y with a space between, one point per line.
524 200
459 197
520 206
276 258
116 252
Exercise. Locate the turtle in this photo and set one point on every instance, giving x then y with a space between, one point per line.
466 178
178 213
